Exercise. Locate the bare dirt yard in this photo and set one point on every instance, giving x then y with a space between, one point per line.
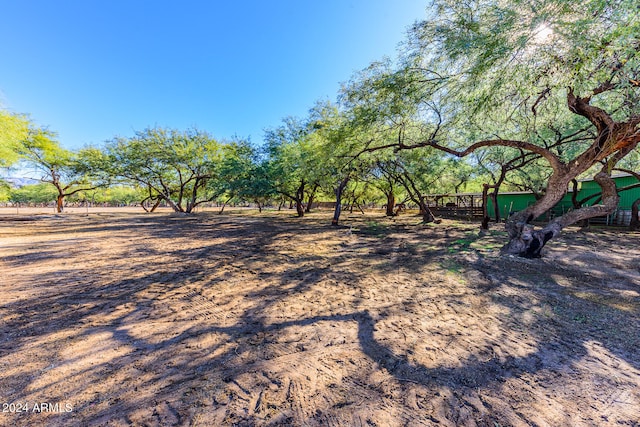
248 319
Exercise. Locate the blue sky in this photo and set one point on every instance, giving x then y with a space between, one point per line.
95 69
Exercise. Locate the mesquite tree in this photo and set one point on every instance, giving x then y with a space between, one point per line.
523 76
242 176
67 171
385 174
175 166
292 161
308 154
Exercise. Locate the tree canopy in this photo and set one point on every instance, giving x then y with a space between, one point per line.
174 166
549 80
14 129
69 172
487 94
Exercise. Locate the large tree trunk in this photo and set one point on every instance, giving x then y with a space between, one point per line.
427 215
527 242
60 203
175 206
635 221
338 209
192 202
312 196
299 199
613 142
224 205
299 208
391 204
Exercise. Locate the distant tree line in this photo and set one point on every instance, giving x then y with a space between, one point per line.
484 96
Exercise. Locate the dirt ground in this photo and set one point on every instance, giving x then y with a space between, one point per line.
247 319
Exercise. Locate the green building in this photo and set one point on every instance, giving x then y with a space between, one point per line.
470 204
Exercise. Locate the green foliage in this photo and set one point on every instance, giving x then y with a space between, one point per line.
288 153
295 155
14 130
475 71
175 166
36 193
495 78
503 68
43 152
68 172
241 175
5 191
114 195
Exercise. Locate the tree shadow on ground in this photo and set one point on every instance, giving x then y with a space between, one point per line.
180 339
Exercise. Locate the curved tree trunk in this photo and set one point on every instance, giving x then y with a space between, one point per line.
224 205
299 208
154 207
338 209
175 206
427 215
635 221
528 242
612 142
312 196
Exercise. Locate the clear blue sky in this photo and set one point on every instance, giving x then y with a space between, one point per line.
94 69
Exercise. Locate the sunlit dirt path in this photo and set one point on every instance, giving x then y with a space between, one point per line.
242 319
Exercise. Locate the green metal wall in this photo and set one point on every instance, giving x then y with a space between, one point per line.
511 203
517 202
626 197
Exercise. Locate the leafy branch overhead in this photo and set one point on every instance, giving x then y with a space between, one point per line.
551 80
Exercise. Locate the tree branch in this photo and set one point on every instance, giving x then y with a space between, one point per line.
600 119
